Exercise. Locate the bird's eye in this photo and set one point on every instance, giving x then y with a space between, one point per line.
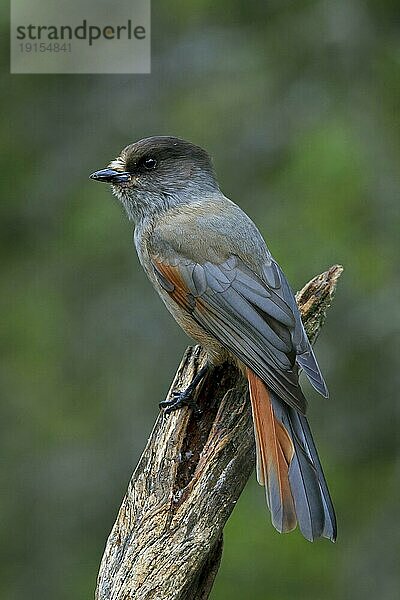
149 163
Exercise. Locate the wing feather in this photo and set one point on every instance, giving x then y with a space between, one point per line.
256 321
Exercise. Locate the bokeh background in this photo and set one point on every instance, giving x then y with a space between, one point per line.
298 102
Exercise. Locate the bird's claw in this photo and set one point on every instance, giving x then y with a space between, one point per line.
179 399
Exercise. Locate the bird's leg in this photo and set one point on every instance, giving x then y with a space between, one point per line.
185 397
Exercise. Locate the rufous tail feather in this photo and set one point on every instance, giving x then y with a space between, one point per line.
274 454
288 466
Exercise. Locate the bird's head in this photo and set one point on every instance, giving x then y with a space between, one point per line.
158 172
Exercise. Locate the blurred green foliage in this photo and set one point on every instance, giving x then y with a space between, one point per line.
299 104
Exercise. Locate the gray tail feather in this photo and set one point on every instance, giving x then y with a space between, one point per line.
313 504
330 528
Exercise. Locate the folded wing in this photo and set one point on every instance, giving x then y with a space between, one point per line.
254 316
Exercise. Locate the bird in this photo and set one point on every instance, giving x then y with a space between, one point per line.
216 276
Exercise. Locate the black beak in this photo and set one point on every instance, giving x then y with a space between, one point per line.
110 176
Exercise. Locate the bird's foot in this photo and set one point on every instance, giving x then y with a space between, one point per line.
178 400
185 397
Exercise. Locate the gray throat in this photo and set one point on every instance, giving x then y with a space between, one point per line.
145 204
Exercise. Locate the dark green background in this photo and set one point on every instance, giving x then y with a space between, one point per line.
298 102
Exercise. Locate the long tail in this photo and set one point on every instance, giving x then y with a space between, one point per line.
288 466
